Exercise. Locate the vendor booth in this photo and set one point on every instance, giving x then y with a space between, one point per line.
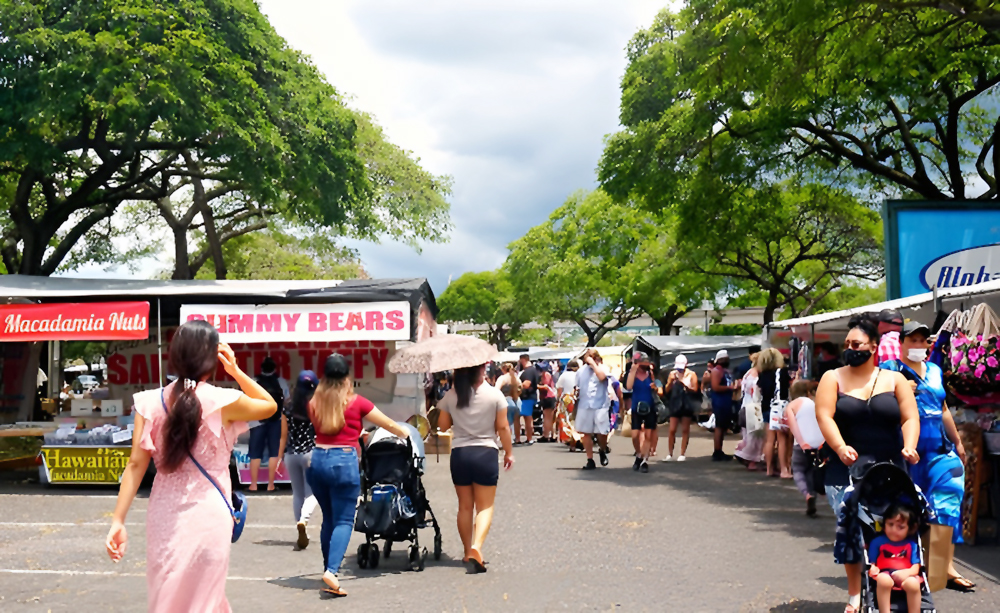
967 332
296 323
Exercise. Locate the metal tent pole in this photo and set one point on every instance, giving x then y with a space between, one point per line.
159 342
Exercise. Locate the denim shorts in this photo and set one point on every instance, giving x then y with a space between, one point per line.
477 465
265 436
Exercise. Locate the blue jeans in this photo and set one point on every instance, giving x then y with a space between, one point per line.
336 482
513 410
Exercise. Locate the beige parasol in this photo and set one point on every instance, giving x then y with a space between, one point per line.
444 352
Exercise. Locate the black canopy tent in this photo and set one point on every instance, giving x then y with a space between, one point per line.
697 349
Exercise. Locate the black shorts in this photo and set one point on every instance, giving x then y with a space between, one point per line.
723 418
648 420
475 465
548 403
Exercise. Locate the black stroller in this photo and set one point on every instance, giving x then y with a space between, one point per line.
394 503
881 486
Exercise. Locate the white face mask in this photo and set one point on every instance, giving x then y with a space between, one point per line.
917 355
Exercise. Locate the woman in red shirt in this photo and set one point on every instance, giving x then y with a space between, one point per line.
336 413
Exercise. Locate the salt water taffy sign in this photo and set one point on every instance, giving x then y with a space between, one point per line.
87 321
362 321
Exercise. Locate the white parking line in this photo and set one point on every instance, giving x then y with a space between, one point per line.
102 573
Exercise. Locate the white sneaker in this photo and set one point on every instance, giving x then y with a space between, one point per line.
681 458
667 459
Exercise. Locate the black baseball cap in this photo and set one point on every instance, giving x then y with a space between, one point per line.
914 327
891 316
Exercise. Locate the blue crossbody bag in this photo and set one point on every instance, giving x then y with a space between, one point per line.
238 507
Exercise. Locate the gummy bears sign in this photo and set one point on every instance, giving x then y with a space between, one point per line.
369 321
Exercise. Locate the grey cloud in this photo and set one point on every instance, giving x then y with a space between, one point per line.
463 32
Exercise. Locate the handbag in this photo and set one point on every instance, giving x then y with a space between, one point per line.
754 410
662 412
238 508
777 420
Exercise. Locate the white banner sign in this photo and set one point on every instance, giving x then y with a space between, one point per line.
368 321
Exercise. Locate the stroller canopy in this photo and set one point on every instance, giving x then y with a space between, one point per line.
884 484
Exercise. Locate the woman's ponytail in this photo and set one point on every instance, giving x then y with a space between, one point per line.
193 357
181 429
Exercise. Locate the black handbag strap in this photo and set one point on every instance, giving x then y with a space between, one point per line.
229 505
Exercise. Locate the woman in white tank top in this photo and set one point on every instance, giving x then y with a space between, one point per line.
801 416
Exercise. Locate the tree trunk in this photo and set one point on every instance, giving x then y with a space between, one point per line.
666 321
772 306
182 263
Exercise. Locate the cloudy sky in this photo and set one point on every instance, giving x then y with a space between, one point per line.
511 98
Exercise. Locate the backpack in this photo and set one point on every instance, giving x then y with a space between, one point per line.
272 386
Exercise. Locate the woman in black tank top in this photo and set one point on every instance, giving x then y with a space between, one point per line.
867 415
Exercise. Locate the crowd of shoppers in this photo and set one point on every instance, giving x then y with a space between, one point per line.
863 411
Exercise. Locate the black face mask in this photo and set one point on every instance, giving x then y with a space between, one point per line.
857 357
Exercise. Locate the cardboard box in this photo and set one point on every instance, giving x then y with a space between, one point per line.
436 444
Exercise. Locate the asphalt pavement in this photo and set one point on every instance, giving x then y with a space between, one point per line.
687 537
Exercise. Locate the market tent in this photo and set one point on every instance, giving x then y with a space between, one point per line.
698 349
172 294
920 307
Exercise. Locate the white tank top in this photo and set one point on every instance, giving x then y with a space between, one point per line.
808 427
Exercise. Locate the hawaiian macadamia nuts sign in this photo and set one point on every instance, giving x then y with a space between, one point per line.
362 321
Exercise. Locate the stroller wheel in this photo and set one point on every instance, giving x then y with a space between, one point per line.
388 549
373 556
413 555
363 555
423 558
437 547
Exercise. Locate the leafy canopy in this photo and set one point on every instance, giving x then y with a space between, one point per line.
894 97
484 298
103 103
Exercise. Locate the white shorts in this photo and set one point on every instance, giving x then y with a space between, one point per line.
593 421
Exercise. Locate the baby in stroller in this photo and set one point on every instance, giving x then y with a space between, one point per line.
886 512
895 559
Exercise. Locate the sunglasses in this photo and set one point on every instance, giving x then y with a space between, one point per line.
855 344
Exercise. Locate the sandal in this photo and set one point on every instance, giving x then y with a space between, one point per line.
333 590
960 584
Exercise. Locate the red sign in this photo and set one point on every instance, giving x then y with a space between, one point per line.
87 321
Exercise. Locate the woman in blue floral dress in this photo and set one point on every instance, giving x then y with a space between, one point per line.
940 473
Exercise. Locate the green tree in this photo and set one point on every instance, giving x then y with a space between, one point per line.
851 296
893 97
600 264
276 255
120 101
791 244
483 298
568 267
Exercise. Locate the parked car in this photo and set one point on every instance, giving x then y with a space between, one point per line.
88 382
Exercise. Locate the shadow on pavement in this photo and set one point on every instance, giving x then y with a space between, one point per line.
805 606
775 504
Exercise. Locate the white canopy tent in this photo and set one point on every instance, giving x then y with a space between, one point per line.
921 307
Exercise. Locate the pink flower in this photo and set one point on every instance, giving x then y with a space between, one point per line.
963 368
959 341
992 362
979 337
980 370
996 378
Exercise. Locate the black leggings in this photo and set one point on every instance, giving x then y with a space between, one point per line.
475 465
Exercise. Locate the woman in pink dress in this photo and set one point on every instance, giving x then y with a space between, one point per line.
188 525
